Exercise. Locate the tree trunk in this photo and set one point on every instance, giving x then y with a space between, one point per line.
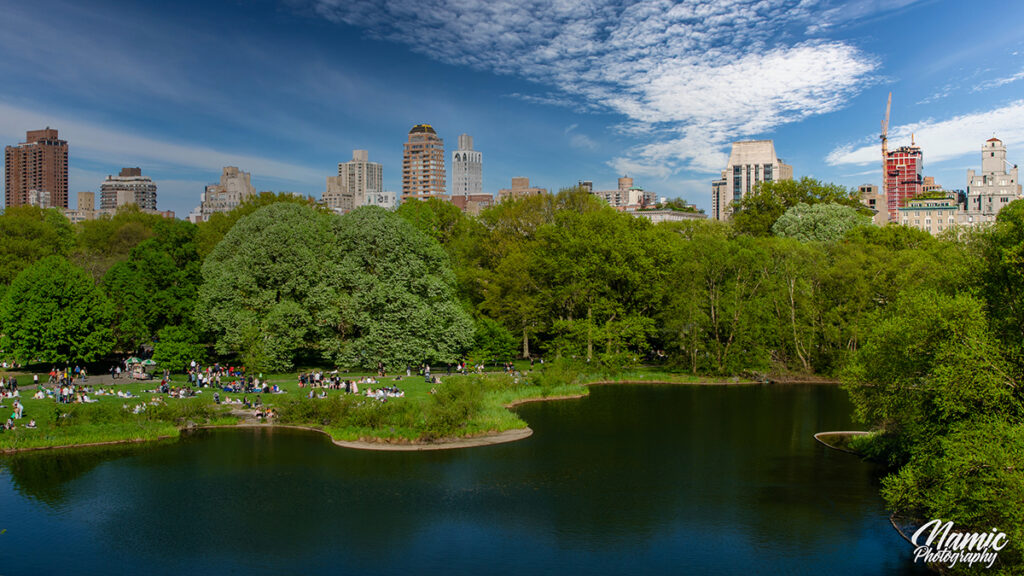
526 344
590 336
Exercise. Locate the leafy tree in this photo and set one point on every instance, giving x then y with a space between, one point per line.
492 342
29 233
757 212
211 232
928 364
819 222
156 286
108 240
177 346
272 289
401 306
54 313
1001 250
599 275
716 304
437 218
972 476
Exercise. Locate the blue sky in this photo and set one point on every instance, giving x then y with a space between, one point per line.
557 91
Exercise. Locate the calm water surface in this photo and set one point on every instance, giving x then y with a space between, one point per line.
633 480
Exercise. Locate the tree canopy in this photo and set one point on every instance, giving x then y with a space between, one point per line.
822 222
53 312
757 212
271 291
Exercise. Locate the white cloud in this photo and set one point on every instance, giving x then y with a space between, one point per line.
688 77
942 140
999 82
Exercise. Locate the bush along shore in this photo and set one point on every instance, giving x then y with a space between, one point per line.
453 407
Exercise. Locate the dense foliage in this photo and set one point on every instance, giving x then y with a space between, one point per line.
53 312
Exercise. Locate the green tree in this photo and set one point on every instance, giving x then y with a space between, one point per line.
819 222
156 286
402 306
108 240
29 233
757 212
599 276
272 289
54 313
437 218
492 342
177 346
716 300
928 363
211 232
970 476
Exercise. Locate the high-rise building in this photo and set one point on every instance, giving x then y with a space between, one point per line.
903 178
467 169
519 189
235 187
128 187
38 164
750 163
362 177
423 172
991 190
359 183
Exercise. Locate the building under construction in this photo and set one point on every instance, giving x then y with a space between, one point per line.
903 178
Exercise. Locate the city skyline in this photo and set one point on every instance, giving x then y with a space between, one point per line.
593 91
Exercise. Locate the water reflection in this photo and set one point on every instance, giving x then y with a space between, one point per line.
632 479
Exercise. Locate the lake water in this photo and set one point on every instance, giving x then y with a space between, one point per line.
632 480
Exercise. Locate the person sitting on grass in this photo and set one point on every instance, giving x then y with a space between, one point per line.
31 424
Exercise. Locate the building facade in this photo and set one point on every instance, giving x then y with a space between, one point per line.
86 208
39 164
903 178
362 177
875 200
467 169
627 196
995 186
359 183
520 188
750 163
423 171
934 212
473 203
657 216
128 187
337 197
234 188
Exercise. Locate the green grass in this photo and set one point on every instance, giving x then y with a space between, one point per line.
463 406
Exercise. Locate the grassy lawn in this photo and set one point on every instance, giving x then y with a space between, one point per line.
463 406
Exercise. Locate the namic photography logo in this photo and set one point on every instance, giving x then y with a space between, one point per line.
937 542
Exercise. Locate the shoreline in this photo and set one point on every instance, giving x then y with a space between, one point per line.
819 436
382 445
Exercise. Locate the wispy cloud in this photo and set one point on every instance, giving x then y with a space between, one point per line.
943 139
999 82
689 77
103 144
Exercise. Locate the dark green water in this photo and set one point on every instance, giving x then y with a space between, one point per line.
633 480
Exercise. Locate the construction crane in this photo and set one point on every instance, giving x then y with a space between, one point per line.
885 144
